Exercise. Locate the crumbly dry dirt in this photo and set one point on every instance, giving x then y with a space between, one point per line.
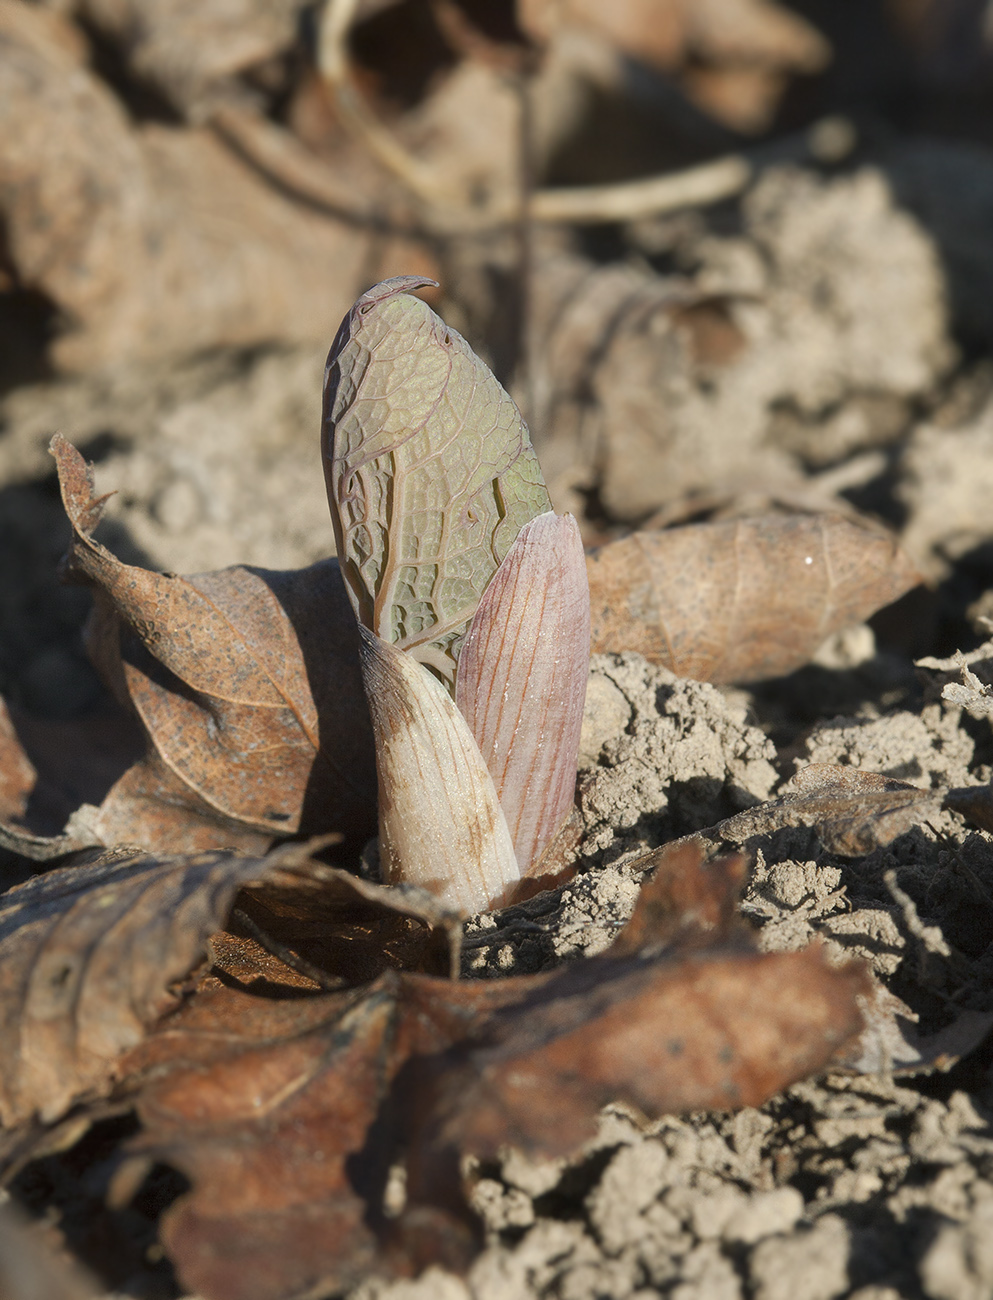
851 1185
839 378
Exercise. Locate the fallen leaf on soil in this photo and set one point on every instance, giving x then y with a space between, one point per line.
685 899
742 600
247 685
92 956
288 1118
853 812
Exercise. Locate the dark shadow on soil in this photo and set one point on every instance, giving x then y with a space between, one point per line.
43 666
118 1245
28 322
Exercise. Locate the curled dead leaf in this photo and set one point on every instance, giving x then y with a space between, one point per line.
92 956
247 685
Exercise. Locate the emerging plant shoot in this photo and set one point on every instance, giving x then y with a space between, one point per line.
430 472
453 558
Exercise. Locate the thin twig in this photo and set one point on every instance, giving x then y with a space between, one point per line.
627 201
277 155
932 946
287 956
828 141
929 936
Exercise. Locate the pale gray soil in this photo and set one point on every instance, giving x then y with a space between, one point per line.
864 1186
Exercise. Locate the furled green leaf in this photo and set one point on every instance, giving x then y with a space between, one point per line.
430 472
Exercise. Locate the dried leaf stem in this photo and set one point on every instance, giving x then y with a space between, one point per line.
829 140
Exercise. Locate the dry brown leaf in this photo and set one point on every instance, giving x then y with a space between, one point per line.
189 53
853 812
742 600
18 775
288 1118
685 900
270 1110
247 685
714 1030
92 956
